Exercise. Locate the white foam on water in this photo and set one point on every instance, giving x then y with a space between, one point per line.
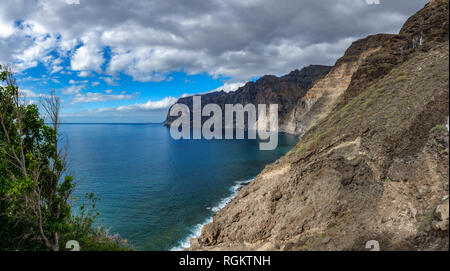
195 232
197 229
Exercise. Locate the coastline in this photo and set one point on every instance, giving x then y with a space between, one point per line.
185 243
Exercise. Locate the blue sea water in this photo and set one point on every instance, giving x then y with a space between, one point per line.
155 191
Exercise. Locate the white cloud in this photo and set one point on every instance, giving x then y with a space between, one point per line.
84 74
73 89
91 97
227 87
39 51
150 105
127 110
149 40
6 30
56 69
73 82
73 2
30 94
87 59
110 81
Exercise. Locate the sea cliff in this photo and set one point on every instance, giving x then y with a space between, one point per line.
372 159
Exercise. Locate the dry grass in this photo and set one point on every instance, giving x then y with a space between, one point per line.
387 106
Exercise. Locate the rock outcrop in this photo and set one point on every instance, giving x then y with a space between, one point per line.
420 32
322 97
373 167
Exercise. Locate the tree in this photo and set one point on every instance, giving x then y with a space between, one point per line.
34 192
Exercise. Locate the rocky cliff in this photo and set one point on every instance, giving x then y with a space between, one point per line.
322 97
269 89
303 96
374 166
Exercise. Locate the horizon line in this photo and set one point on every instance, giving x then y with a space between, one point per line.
111 123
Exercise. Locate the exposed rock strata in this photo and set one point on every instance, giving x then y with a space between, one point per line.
373 168
322 97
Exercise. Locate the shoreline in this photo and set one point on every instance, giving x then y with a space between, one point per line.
185 243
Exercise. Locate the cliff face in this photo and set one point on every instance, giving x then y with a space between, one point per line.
422 31
284 91
322 97
375 167
303 96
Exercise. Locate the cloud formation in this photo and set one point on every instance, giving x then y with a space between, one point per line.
73 89
150 105
27 93
150 39
124 111
92 97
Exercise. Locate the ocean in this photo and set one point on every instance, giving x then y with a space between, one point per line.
155 191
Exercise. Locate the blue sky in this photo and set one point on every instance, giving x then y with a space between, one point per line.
83 97
128 61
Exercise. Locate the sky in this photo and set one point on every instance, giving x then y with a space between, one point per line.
128 61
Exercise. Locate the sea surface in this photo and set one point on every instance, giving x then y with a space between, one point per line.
155 191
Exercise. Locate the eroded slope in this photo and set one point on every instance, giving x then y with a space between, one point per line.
371 170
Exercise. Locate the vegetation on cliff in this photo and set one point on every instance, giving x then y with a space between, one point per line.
35 192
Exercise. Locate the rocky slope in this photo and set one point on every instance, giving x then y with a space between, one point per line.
284 91
375 167
322 97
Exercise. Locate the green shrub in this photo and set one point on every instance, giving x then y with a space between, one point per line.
401 78
427 219
438 129
90 237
